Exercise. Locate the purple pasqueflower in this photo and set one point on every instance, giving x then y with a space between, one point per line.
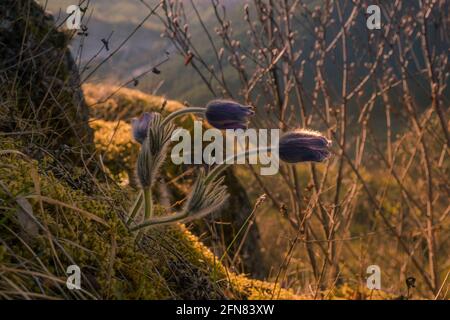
226 114
304 145
140 126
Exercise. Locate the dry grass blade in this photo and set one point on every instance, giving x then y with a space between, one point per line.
87 214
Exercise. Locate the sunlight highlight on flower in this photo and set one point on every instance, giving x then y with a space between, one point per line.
304 145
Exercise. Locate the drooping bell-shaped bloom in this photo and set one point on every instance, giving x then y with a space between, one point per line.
140 126
304 145
226 114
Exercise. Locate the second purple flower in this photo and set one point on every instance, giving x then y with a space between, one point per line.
226 114
140 126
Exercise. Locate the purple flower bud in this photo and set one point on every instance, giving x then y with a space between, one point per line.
304 145
140 126
226 114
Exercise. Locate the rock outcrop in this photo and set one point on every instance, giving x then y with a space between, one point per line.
40 95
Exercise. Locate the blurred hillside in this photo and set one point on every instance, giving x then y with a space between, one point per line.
147 46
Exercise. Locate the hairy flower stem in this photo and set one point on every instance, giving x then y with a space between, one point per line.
221 167
148 212
135 208
160 220
181 112
148 205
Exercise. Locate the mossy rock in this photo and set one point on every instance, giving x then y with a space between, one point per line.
63 226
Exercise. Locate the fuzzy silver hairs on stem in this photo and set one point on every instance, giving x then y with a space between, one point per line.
155 138
205 198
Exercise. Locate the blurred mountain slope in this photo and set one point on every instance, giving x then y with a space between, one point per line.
146 47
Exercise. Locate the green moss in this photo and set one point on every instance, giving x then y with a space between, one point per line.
224 282
348 292
106 254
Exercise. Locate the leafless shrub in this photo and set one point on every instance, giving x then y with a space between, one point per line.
381 96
